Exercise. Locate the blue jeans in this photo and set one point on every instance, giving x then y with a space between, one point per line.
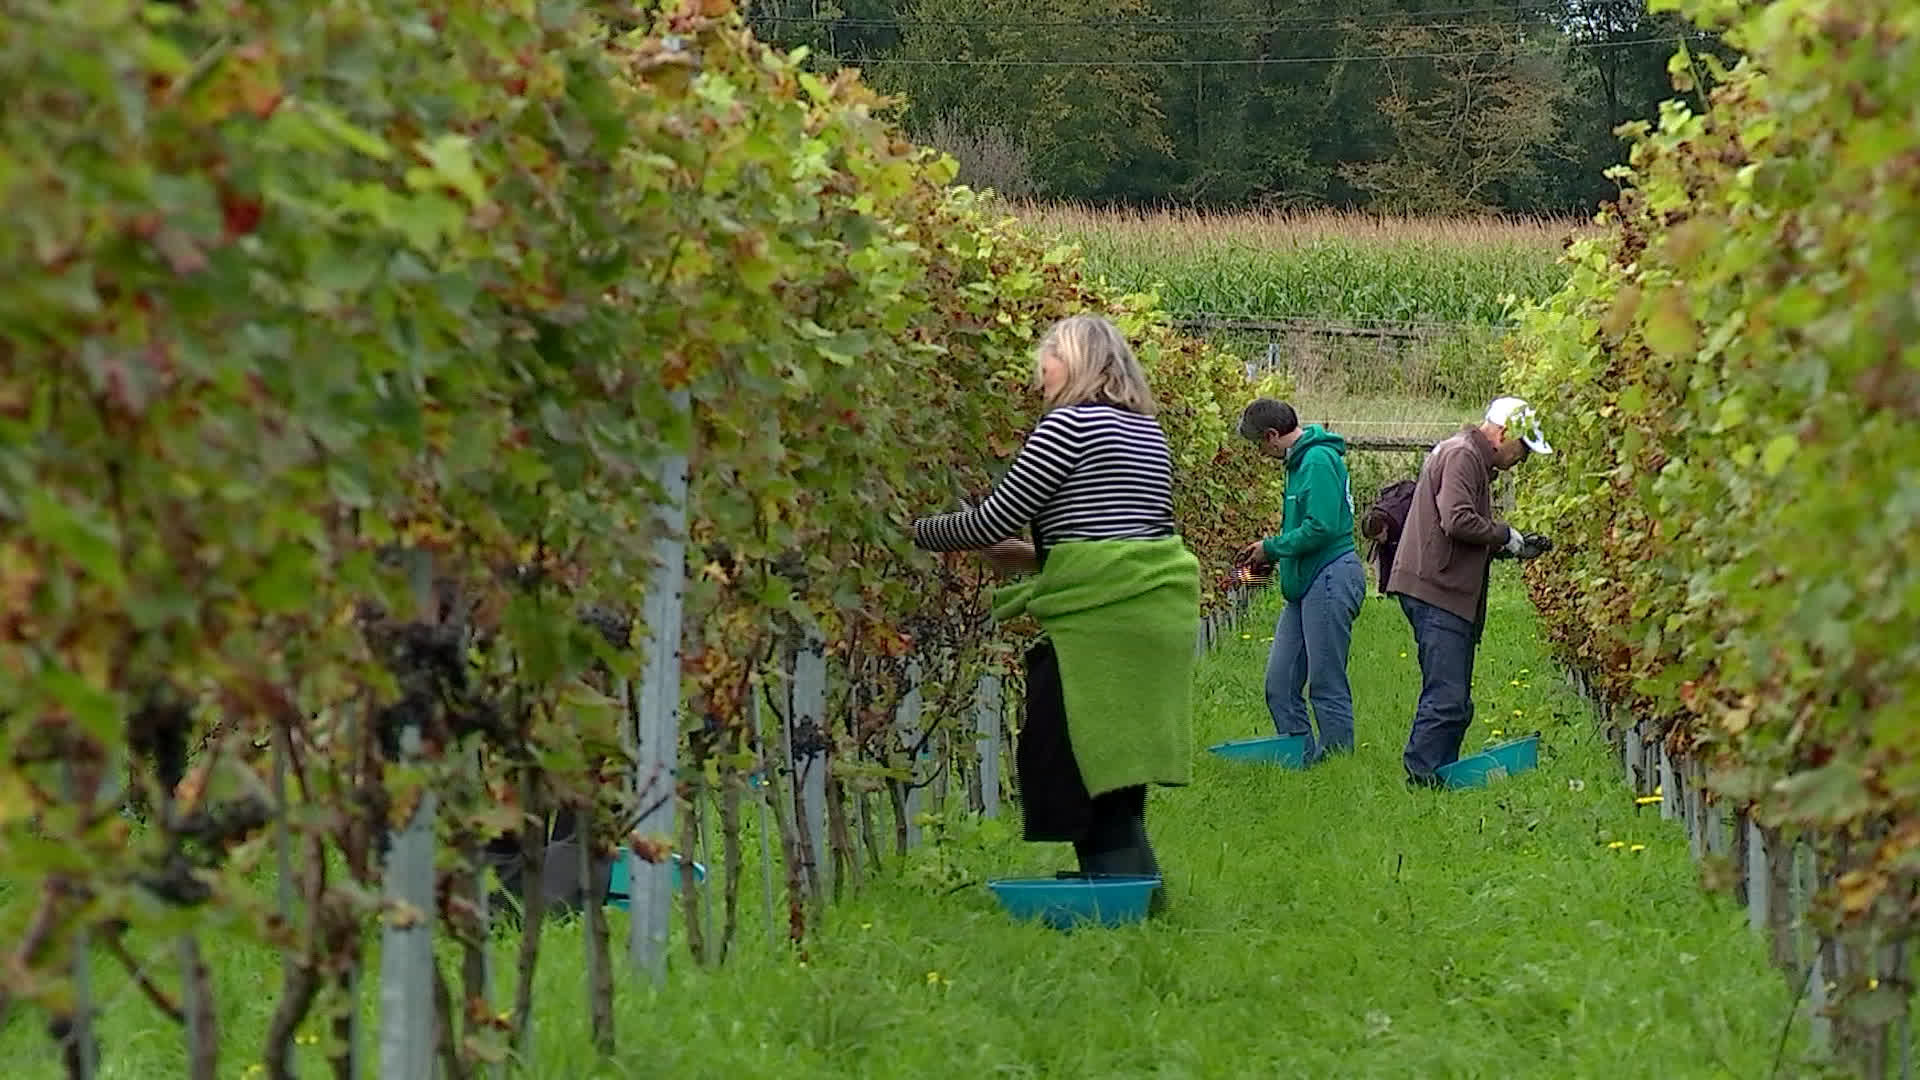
1310 645
1447 644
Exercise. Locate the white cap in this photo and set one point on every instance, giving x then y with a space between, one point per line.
1516 416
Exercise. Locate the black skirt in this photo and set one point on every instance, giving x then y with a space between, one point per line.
1054 806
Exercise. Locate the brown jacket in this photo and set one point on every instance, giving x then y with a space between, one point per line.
1451 534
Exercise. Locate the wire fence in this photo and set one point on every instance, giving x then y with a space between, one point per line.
1386 384
1321 325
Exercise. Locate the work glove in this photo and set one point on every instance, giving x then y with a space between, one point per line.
1523 545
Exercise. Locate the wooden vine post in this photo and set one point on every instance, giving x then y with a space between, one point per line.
907 721
653 739
987 716
808 752
406 934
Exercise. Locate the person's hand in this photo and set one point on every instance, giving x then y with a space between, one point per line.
1533 545
1514 541
1253 556
1012 556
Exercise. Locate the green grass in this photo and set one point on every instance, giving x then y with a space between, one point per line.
1325 924
1322 265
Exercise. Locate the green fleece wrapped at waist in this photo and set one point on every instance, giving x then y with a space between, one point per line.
1122 616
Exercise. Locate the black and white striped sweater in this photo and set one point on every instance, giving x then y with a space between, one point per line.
1088 472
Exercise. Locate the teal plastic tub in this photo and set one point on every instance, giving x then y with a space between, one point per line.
1472 771
1286 751
1518 755
618 892
1064 903
1493 764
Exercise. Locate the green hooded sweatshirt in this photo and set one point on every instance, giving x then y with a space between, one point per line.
1317 525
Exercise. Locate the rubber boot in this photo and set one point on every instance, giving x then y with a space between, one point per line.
1115 862
1135 859
1106 848
1144 862
1082 852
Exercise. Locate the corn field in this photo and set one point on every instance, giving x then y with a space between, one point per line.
1319 265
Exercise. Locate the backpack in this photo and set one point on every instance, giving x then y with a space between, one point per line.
1382 524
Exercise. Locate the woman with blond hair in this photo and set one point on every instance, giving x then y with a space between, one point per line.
1114 588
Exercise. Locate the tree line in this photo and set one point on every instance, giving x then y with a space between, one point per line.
1419 106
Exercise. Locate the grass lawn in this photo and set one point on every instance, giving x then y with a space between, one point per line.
1324 924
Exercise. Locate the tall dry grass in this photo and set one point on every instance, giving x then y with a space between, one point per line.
1177 231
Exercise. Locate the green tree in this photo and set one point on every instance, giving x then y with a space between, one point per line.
1270 124
1078 124
1618 65
1261 102
1470 109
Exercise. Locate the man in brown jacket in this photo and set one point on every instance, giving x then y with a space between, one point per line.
1442 568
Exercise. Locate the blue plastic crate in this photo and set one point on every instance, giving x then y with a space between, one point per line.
1287 751
1063 903
617 891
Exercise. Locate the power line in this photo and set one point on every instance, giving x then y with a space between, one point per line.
1566 13
1226 320
1260 61
1168 30
1274 21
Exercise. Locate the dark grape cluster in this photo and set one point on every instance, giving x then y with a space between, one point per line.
200 840
792 566
809 739
219 827
438 694
615 628
160 731
430 663
174 882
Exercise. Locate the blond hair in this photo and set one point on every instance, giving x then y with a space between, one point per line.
1100 366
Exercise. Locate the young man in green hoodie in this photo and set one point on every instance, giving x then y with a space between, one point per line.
1319 574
